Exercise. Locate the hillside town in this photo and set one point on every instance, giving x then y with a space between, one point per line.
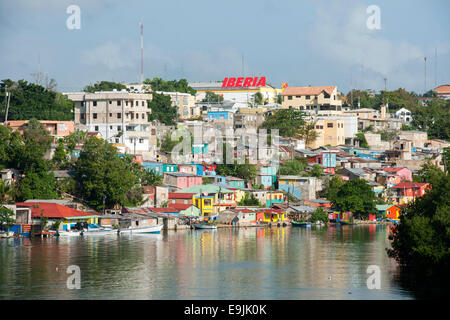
233 153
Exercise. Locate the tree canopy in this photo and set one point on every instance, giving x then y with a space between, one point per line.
158 84
104 86
212 97
162 109
29 100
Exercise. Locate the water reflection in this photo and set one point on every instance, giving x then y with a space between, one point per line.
246 263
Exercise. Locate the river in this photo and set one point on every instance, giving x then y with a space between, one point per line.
228 263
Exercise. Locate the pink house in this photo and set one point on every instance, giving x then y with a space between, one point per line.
404 173
181 180
187 168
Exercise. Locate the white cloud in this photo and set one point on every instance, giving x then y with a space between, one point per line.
113 55
340 34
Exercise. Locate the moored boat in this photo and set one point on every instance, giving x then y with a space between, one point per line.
97 232
66 233
301 224
343 223
204 226
150 229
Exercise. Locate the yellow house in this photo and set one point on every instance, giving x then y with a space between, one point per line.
271 215
205 204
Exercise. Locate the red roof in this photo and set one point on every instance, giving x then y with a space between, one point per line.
180 195
164 210
410 185
179 206
243 210
52 210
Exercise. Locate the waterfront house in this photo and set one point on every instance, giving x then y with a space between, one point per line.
271 215
389 211
238 217
22 219
205 203
179 181
56 212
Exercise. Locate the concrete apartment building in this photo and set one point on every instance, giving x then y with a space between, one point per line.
330 131
119 117
319 100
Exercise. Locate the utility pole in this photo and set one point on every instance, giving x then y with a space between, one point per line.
435 67
385 84
141 26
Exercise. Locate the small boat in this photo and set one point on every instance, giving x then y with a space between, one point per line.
301 224
151 229
343 223
6 234
204 226
66 233
97 232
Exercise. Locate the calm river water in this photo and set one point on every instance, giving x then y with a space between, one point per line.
251 263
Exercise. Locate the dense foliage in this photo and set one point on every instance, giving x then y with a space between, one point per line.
104 86
162 109
421 241
29 100
249 200
293 167
212 97
291 123
319 215
353 195
103 177
158 84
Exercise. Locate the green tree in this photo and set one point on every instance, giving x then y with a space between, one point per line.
319 215
293 167
258 97
6 217
104 177
316 170
37 185
158 84
332 187
150 178
249 200
162 109
104 86
421 241
356 196
212 97
29 100
289 122
362 140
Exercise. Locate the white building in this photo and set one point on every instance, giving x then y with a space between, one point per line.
404 115
119 117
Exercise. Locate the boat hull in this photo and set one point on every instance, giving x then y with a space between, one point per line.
101 232
152 229
301 224
205 227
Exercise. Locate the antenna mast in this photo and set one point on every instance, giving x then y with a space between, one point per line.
141 26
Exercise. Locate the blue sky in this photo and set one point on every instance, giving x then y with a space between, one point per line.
310 42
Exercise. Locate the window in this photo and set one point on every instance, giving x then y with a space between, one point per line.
141 140
119 115
137 103
118 102
117 140
142 103
308 97
119 128
110 114
96 128
329 125
297 96
94 115
289 97
126 103
185 202
110 102
94 103
110 127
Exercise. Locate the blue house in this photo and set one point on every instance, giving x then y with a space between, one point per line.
219 179
156 167
200 148
169 167
219 115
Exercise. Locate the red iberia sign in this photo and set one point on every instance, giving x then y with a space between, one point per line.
244 82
